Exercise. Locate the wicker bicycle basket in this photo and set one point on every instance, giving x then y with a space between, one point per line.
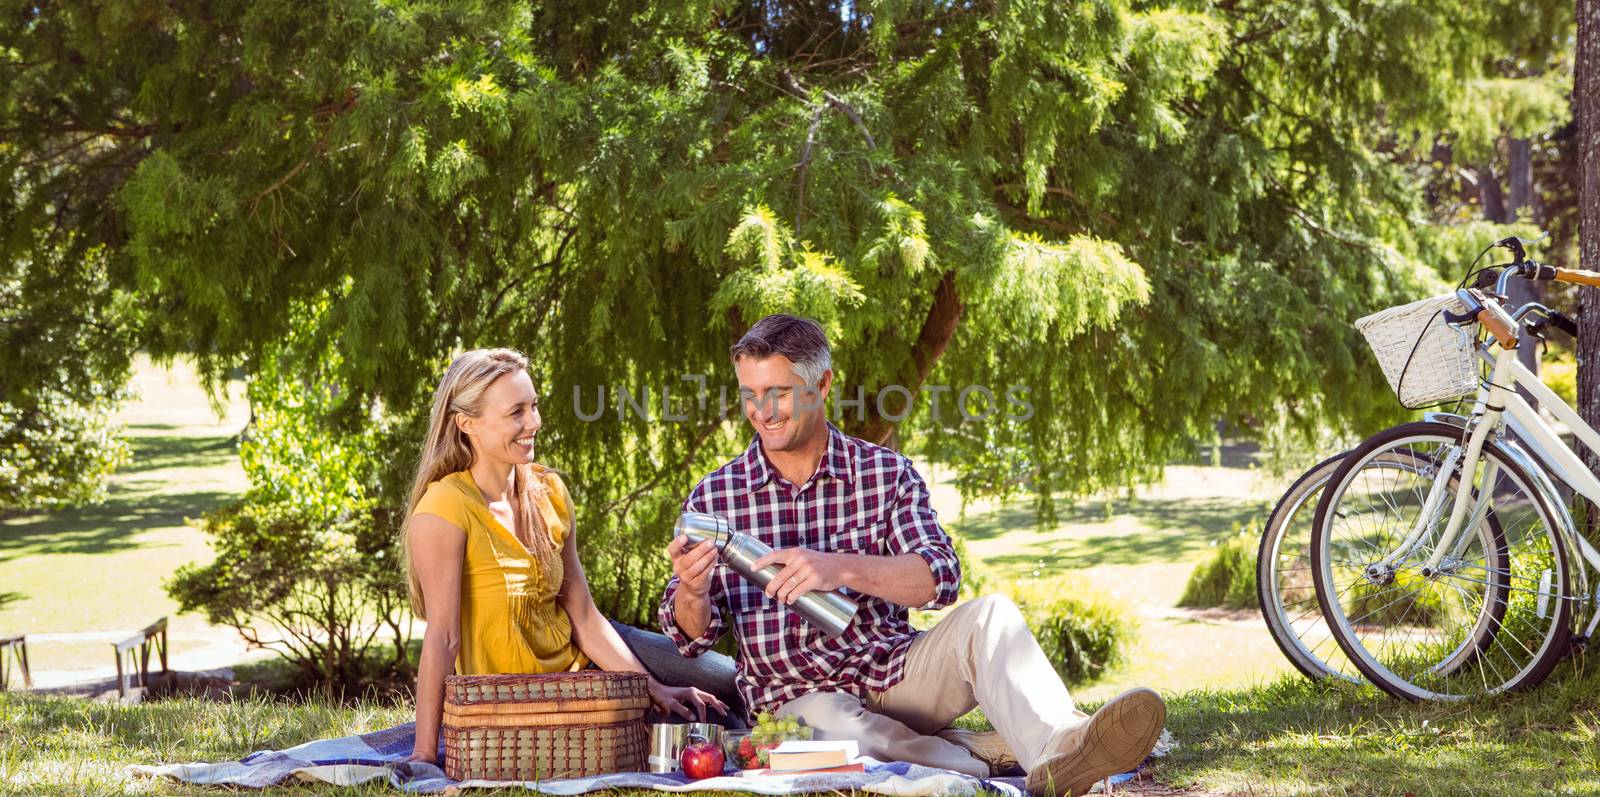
1424 358
537 727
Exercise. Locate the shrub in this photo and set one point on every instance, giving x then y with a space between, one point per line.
1084 633
57 449
974 577
318 585
1228 578
66 347
307 563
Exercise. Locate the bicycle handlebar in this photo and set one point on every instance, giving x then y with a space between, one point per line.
1488 313
1590 278
1539 272
1563 323
1485 308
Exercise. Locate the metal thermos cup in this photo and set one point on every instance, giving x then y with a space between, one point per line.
667 741
666 746
826 610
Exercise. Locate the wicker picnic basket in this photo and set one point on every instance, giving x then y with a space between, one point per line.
536 727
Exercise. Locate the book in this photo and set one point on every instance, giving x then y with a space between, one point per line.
796 755
758 773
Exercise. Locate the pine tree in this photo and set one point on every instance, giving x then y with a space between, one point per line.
1142 217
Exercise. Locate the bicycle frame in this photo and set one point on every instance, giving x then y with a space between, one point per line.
1501 403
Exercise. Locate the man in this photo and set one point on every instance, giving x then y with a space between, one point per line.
842 513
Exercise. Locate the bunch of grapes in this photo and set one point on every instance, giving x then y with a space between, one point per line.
771 728
769 732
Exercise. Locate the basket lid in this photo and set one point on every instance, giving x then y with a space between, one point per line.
597 685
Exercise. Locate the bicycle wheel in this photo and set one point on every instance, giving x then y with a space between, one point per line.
1491 618
1284 583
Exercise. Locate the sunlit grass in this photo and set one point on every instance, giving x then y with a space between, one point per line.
100 568
1286 737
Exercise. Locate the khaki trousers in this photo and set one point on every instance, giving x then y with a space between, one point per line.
982 654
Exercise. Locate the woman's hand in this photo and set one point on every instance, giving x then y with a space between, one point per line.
419 757
685 701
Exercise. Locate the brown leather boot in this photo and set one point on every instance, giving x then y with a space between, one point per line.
986 746
1115 740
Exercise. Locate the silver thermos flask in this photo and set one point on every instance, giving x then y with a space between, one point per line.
828 611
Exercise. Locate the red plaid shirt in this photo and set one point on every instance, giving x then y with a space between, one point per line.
863 499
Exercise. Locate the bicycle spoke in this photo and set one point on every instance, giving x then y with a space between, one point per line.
1471 627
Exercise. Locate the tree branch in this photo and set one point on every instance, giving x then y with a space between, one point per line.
626 502
553 263
805 161
298 167
844 108
1066 192
938 329
829 100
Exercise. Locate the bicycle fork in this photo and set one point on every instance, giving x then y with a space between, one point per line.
1468 467
1459 459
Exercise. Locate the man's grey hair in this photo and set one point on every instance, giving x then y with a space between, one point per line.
799 339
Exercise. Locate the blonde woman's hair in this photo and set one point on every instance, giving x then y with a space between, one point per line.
446 450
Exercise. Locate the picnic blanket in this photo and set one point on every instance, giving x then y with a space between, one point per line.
381 755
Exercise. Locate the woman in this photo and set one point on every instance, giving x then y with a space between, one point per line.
491 556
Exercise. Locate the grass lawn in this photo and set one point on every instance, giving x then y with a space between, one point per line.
1288 738
1139 552
1293 737
79 579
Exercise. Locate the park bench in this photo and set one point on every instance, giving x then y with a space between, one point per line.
154 635
17 649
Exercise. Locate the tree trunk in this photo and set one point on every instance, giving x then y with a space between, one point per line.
1492 195
1586 93
1520 204
934 337
1520 151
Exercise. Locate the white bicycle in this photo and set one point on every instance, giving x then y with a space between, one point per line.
1284 583
1462 573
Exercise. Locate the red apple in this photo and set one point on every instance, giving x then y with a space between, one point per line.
702 759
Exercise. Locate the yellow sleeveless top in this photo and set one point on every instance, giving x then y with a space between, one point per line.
510 621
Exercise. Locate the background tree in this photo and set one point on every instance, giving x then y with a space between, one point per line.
65 343
1587 89
1147 216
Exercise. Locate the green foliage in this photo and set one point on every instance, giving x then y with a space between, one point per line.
64 364
1145 217
1083 633
319 588
58 450
309 553
1519 107
1228 578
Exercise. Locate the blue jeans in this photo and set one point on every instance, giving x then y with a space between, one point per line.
710 672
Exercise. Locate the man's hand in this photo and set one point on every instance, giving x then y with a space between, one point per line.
692 564
804 570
